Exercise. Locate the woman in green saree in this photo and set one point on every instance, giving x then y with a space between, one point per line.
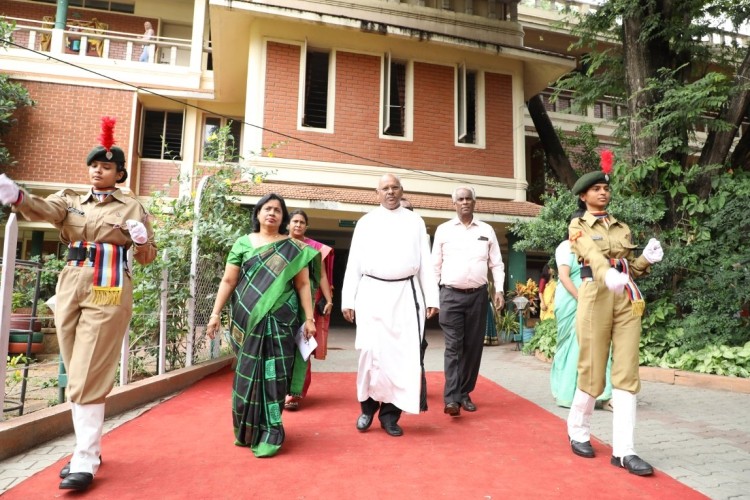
270 279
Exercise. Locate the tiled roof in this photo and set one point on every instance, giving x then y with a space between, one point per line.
368 197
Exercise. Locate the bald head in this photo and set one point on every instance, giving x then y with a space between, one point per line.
390 191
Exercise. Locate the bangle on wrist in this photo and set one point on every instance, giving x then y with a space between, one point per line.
310 319
215 314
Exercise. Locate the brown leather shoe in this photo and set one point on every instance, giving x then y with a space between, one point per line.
452 409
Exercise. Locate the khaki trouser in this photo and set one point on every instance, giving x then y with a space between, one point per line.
605 318
90 335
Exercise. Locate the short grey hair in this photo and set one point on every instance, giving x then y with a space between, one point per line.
454 196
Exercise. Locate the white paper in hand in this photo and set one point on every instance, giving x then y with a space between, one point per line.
306 346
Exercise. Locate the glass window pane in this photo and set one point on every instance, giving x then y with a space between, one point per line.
235 129
211 126
153 128
173 137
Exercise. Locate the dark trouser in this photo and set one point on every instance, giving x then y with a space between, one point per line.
463 318
389 413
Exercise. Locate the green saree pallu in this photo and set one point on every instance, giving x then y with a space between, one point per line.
266 313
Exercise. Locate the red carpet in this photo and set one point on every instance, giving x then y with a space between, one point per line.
510 448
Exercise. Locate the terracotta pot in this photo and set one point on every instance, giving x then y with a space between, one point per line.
20 321
20 348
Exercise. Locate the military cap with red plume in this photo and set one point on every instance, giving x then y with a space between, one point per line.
107 151
606 159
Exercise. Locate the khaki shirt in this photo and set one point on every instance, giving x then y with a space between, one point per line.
84 218
594 243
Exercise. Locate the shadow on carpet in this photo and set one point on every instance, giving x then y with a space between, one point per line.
510 448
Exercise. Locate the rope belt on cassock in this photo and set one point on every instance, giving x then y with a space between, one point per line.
423 341
108 261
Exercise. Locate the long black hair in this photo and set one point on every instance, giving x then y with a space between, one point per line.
285 213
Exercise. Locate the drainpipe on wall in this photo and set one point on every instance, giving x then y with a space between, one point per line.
61 19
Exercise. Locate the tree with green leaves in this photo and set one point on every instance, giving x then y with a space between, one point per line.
683 167
12 97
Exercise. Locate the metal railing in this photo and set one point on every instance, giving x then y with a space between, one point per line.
141 354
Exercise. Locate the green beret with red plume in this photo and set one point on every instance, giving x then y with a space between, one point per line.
107 151
606 159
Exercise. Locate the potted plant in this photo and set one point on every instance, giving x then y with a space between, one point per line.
508 324
529 297
24 317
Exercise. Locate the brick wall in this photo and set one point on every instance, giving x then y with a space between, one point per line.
52 139
358 108
159 175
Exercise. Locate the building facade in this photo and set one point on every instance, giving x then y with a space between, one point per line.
433 91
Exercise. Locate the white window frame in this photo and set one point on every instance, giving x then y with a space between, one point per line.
460 107
223 121
385 78
331 101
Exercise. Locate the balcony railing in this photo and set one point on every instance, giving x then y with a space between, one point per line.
94 40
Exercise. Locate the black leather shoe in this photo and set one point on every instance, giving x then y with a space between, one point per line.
393 429
467 405
584 450
634 464
66 469
78 481
364 422
452 409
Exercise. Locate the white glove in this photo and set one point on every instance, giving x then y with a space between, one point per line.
8 190
615 280
137 231
653 252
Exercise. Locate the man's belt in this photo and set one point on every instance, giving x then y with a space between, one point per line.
84 253
587 272
465 290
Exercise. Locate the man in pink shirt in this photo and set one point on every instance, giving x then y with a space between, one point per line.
463 250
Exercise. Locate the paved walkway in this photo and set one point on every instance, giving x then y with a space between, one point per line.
701 437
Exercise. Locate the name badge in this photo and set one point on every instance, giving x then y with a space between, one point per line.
597 237
484 238
74 210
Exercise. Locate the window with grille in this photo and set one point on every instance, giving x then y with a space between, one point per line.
394 97
466 109
162 135
315 112
213 149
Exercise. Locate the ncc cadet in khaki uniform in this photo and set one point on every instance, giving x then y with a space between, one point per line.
94 300
609 313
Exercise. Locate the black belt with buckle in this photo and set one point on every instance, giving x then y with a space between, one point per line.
465 290
587 272
83 253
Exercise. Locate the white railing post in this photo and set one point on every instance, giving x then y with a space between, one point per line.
163 318
6 291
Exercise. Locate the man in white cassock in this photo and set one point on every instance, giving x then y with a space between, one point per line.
390 286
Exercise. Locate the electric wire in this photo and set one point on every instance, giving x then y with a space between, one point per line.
260 127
